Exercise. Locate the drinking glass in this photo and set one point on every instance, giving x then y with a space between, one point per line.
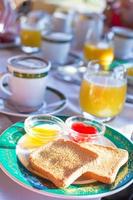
102 93
30 35
99 48
101 51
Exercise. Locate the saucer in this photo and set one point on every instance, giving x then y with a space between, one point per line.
69 71
55 101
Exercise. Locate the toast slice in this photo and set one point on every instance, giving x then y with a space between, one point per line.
106 166
61 161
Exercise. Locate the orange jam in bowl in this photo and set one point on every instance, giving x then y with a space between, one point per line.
42 129
81 129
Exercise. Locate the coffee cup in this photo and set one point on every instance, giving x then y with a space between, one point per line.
56 46
27 80
123 42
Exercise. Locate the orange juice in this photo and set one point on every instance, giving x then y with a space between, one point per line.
102 96
30 37
102 52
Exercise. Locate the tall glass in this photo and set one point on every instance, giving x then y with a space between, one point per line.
102 93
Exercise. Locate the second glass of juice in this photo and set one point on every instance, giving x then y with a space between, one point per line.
102 51
30 35
103 93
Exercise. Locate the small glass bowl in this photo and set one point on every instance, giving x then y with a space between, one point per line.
53 127
84 137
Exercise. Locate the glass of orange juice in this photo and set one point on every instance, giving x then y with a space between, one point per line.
102 93
30 35
102 51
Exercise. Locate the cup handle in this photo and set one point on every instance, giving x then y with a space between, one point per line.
2 87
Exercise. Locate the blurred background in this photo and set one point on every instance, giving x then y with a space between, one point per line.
106 13
117 12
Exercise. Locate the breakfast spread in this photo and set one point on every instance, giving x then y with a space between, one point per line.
70 157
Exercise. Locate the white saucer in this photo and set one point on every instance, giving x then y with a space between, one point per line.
69 71
55 101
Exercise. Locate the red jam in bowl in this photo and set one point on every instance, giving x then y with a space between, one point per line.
81 129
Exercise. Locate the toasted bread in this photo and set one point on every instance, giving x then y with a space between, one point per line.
62 162
106 166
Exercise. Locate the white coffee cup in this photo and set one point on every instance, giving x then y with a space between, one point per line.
56 46
27 80
123 42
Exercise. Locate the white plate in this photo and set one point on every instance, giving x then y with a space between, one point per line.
55 101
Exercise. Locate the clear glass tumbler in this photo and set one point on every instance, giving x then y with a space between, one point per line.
30 35
103 93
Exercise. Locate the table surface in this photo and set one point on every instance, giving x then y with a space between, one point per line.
9 190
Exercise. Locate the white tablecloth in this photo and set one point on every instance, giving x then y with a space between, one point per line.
9 190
